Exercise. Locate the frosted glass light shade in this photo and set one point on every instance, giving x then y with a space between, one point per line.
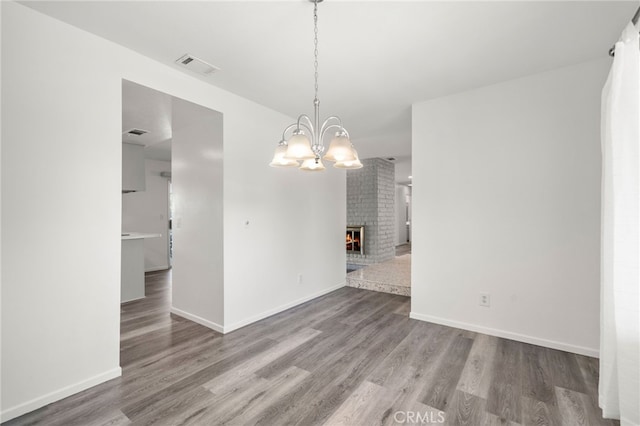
340 149
313 165
279 160
350 164
299 148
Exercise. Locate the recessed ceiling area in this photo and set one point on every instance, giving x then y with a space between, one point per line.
148 109
376 57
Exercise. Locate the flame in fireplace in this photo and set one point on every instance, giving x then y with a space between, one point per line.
353 243
355 239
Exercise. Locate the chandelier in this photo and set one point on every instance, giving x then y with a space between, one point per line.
305 146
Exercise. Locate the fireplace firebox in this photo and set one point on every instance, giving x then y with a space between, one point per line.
355 239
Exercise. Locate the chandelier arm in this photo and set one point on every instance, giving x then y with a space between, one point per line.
333 117
333 126
289 127
297 125
308 124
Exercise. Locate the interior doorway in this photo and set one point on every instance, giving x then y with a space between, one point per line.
180 204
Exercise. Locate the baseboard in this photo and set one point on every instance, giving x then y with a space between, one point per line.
157 268
34 404
243 323
210 324
270 312
509 335
132 300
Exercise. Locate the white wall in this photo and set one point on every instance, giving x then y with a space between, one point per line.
296 225
198 262
402 192
506 200
1 222
147 211
61 207
60 211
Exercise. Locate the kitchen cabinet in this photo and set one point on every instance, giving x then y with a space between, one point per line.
132 265
133 176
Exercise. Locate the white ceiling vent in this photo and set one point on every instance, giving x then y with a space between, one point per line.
136 132
196 65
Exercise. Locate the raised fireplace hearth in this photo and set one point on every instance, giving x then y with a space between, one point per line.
355 239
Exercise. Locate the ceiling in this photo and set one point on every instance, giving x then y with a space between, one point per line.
147 109
376 57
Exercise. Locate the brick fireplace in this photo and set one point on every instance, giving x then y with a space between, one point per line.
371 206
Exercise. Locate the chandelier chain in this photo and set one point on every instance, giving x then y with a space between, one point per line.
315 43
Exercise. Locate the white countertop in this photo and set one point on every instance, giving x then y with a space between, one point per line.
137 235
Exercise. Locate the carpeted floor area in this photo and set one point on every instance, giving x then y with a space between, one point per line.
392 276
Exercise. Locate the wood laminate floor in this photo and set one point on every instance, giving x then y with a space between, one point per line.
352 357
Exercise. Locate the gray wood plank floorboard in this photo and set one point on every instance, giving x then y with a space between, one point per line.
351 357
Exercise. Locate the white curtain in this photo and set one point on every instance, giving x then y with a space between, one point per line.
620 285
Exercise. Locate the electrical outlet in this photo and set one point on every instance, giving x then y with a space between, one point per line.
299 278
485 300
